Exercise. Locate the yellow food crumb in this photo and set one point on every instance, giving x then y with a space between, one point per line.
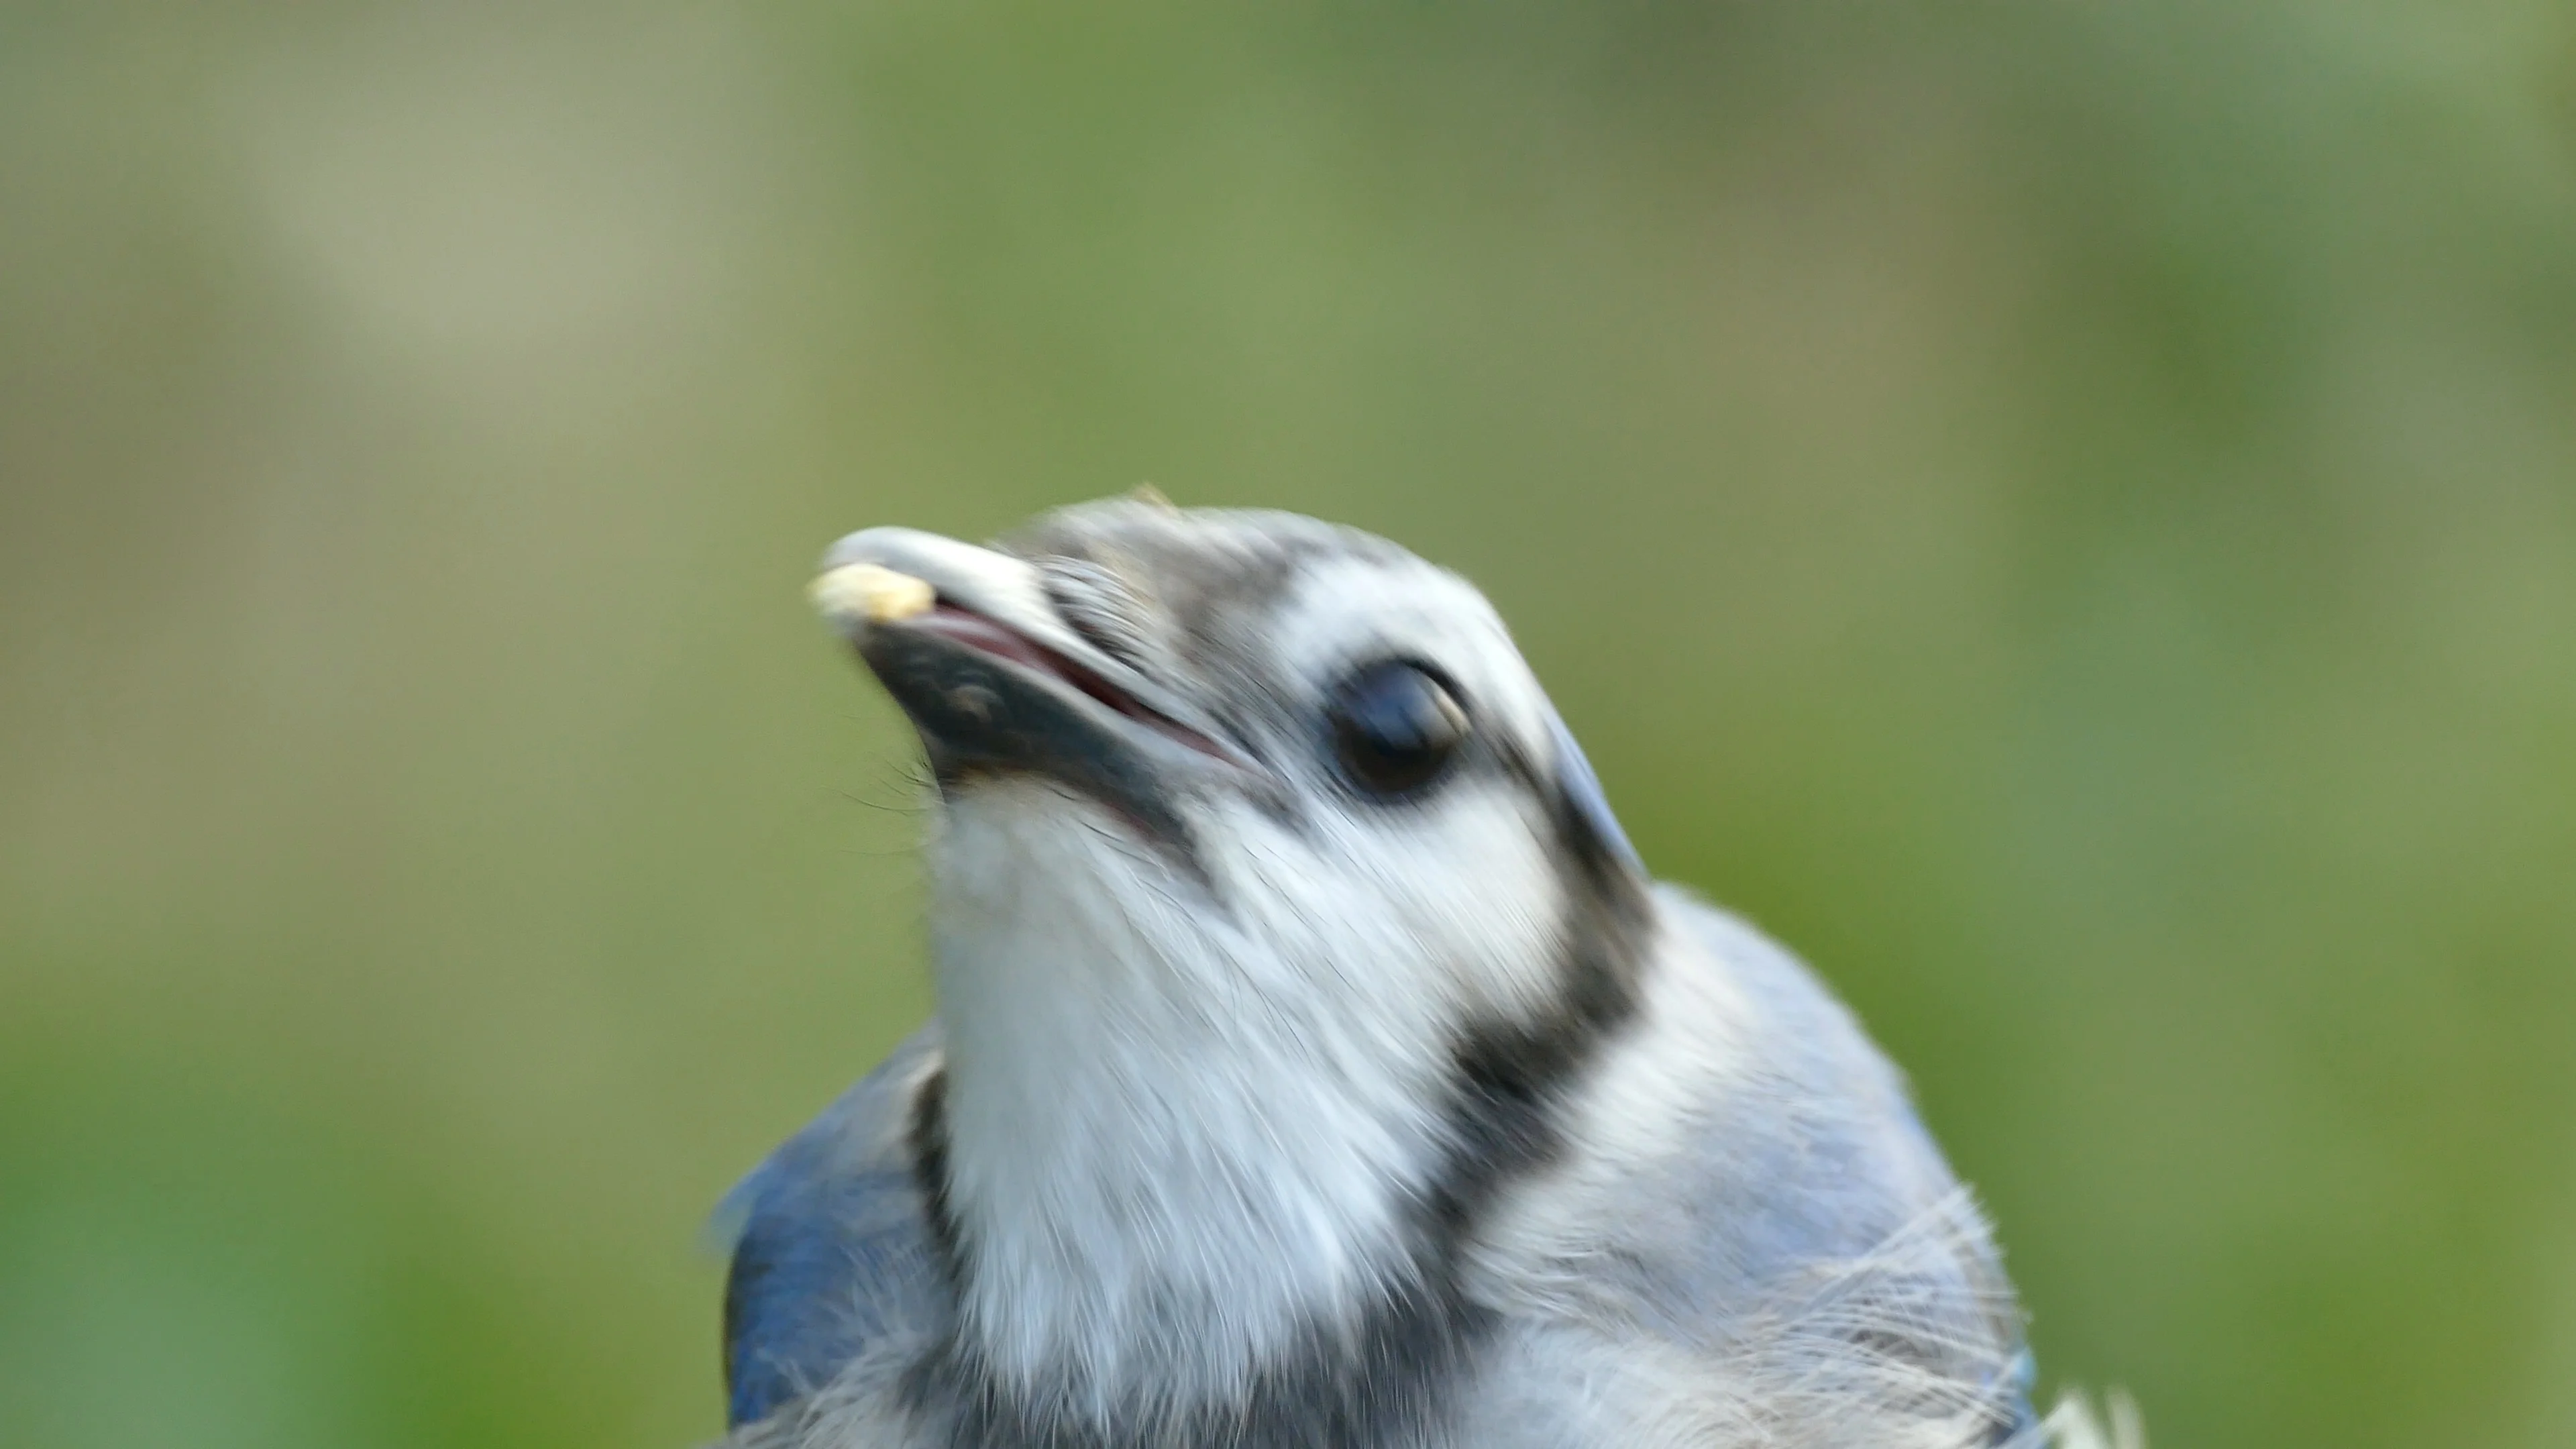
871 592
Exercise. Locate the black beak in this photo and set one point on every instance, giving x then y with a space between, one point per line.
997 685
988 702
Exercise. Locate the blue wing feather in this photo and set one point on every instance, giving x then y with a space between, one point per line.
832 1249
1825 1162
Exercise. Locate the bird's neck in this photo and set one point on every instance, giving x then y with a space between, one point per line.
1164 1170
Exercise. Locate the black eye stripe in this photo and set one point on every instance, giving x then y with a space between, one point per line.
1396 724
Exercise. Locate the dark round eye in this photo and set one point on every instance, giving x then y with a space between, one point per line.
1394 726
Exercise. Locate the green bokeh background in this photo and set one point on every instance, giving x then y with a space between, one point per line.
2064 510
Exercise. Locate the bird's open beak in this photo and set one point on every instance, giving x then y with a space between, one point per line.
968 644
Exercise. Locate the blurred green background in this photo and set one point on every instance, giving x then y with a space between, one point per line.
2064 510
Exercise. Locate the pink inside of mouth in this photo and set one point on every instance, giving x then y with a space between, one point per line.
990 636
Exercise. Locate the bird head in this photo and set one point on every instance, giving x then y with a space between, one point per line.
1294 742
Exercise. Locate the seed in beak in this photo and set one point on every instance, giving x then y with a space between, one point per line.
865 593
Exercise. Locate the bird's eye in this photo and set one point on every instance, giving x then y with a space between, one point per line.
1395 726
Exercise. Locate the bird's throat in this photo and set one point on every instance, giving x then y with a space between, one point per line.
1141 1224
1163 1168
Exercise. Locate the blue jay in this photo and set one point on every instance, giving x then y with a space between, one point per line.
1317 1065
